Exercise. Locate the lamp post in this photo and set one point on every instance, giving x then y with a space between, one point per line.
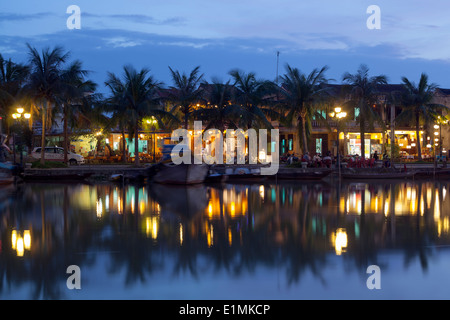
338 114
19 115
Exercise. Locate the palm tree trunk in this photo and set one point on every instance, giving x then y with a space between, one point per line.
136 144
65 135
304 139
186 118
124 151
44 112
363 140
419 149
392 133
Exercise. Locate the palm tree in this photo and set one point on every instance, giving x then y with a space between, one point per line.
133 98
255 96
76 92
44 87
186 92
219 113
363 96
301 94
12 78
418 107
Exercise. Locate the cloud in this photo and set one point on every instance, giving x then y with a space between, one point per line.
23 17
136 18
122 42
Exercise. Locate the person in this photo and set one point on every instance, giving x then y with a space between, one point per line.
4 150
317 160
327 160
375 155
306 158
386 161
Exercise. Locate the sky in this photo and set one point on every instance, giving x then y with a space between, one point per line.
220 35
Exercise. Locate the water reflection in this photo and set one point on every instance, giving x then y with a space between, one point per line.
135 233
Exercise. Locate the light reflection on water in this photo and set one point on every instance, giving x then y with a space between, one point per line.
258 241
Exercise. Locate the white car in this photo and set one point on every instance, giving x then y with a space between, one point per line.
57 154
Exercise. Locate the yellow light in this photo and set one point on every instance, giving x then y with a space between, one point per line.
20 110
340 241
436 126
261 191
436 133
27 116
13 239
181 234
151 227
232 209
19 246
337 109
15 115
210 210
99 208
27 239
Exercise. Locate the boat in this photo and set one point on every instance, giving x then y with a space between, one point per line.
167 172
215 177
302 174
170 173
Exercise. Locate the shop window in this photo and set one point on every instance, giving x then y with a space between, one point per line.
290 142
319 145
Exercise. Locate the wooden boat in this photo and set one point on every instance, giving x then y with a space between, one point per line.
301 174
170 173
167 172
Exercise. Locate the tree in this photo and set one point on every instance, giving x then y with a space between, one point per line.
186 93
300 95
12 78
417 105
219 112
364 95
44 87
255 96
75 92
133 98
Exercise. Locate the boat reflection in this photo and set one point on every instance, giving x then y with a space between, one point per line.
229 227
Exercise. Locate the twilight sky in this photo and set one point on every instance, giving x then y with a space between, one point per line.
220 35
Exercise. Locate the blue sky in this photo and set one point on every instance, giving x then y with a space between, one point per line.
221 35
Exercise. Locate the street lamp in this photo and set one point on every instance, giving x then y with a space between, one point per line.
19 115
339 115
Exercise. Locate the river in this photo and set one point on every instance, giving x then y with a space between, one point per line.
282 241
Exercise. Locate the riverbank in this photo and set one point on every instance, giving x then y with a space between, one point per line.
104 172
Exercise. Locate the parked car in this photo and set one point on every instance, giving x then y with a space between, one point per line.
57 154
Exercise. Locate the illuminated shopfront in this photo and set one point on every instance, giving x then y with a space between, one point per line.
373 142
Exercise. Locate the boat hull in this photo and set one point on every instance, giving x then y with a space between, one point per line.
170 173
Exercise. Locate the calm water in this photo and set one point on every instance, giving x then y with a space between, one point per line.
260 241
